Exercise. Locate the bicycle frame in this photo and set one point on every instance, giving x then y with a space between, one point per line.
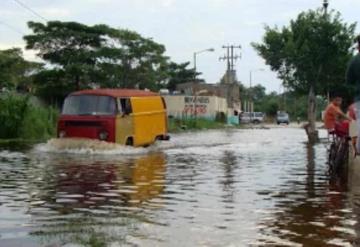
338 153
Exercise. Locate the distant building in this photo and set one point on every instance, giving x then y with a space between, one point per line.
231 92
228 89
186 106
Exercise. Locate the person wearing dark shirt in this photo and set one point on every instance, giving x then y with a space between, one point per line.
353 81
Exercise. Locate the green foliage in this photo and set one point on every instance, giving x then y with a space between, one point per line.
296 106
39 123
310 56
20 119
256 92
269 104
292 103
53 85
85 55
179 73
177 125
312 51
15 71
12 112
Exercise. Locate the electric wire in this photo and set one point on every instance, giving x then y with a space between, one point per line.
11 27
30 9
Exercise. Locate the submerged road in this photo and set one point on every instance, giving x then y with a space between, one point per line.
214 188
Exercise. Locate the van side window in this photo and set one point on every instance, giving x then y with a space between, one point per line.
125 104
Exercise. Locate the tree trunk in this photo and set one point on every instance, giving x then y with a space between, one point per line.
310 128
77 82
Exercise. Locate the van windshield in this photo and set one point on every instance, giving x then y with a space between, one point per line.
89 105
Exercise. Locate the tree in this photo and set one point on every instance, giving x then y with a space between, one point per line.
70 46
53 85
179 73
97 54
15 71
257 92
129 60
310 56
268 103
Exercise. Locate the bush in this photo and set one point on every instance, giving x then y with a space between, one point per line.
21 119
39 123
176 125
12 112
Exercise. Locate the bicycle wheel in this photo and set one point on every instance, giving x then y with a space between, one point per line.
342 157
332 157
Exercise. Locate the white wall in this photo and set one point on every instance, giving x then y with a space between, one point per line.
180 106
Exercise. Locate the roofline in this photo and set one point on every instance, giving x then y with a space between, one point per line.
116 92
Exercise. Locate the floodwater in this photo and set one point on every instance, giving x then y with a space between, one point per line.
261 187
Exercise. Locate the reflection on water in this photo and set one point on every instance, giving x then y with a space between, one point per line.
310 211
76 199
218 188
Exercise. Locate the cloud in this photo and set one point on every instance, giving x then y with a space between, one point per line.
53 12
183 26
167 3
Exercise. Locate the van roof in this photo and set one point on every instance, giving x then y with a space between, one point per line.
116 92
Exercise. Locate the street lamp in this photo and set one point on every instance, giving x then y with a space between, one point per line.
326 5
251 103
253 71
195 54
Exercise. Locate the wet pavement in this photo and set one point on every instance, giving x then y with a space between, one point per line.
260 187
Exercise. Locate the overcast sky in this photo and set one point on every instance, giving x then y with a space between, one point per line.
183 26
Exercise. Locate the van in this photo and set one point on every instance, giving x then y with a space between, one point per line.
124 116
253 117
282 117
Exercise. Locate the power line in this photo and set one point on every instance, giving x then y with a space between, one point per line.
31 10
12 28
230 57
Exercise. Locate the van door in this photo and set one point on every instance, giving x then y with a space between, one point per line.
124 122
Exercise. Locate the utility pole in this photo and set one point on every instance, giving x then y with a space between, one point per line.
230 57
326 5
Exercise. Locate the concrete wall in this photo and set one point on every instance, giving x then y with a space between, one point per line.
182 106
229 91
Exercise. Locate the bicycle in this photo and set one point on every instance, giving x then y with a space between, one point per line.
339 149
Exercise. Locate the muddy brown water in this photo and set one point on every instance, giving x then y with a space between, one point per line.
212 188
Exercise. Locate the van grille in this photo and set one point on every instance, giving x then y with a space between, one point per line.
82 124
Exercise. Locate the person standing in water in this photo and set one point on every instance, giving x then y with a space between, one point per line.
353 80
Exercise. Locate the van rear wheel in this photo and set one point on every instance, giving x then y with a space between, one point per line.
129 141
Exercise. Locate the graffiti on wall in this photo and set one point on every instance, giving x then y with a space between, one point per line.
196 105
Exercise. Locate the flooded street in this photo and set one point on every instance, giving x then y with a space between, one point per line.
214 188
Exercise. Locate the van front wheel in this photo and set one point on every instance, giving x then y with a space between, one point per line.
129 141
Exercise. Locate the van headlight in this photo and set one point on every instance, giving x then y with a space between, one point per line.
62 134
103 135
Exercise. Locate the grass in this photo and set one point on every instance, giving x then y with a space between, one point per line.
179 125
39 123
20 120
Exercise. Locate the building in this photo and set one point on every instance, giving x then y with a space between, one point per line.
187 106
231 92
